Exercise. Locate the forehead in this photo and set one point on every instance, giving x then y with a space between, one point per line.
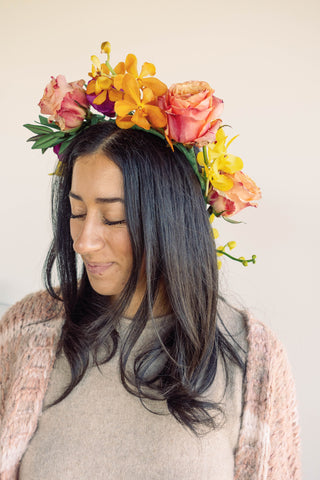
96 174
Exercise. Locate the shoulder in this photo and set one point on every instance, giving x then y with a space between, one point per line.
270 385
268 378
269 437
29 329
265 350
29 335
268 372
33 309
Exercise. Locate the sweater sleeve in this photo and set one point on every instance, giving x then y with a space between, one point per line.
14 326
9 334
284 457
269 445
29 332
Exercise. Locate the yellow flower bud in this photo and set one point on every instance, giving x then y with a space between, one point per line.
212 217
215 233
106 47
219 264
232 244
219 250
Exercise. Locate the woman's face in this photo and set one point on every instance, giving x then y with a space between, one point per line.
98 224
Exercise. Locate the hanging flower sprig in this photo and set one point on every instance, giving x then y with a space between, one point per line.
228 189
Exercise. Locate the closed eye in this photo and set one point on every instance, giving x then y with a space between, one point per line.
105 221
77 216
120 222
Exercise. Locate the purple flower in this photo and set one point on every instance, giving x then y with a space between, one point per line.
107 107
56 150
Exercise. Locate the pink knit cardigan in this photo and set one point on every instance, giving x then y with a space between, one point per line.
268 446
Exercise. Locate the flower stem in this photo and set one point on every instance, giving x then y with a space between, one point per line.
207 187
205 158
205 155
109 66
235 258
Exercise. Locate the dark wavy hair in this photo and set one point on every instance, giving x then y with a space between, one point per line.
170 231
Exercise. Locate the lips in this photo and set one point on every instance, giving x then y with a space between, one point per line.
97 268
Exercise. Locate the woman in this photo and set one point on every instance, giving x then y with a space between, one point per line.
139 370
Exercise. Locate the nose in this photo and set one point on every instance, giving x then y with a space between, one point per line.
87 237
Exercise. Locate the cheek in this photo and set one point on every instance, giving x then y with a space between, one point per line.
123 245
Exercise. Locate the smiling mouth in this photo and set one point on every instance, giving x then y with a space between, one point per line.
97 268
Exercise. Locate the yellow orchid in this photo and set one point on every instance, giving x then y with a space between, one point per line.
103 81
215 232
218 162
147 70
146 113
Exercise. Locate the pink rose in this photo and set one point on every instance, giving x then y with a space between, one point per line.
66 103
193 112
243 194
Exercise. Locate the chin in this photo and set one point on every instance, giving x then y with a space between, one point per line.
104 289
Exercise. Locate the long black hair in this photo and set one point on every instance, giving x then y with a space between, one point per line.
170 232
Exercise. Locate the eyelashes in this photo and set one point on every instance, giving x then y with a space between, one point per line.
105 221
119 222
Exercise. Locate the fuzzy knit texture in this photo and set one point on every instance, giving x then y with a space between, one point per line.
268 446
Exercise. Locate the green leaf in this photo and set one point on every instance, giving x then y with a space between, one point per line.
96 119
64 145
48 141
226 219
38 129
35 137
45 121
46 136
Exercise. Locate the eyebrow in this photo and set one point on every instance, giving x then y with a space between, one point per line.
99 199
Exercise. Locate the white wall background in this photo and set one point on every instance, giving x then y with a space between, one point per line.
263 60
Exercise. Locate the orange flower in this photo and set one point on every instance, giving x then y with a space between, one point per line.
103 81
148 69
146 112
193 113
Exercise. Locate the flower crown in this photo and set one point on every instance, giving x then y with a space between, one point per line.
186 115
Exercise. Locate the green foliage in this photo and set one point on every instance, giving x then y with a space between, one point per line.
191 156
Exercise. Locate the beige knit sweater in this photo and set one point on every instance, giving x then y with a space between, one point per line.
268 445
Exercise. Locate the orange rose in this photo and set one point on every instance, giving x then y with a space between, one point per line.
66 103
243 194
192 112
